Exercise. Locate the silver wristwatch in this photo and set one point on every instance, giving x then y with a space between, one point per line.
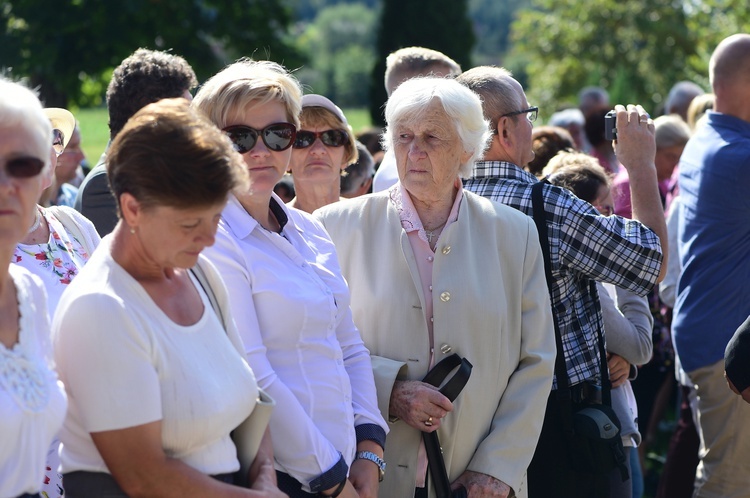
369 455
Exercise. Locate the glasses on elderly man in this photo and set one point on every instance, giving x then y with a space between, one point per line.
23 167
58 141
277 136
531 113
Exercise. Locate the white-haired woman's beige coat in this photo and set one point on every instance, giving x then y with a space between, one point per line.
491 306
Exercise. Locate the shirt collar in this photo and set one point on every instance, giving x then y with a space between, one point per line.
501 169
241 224
410 221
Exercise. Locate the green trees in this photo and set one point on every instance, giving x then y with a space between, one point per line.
339 45
67 48
637 49
439 24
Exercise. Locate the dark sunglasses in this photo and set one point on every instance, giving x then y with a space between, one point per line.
331 138
58 141
276 136
24 167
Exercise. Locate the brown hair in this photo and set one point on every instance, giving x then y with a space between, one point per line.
547 141
144 77
168 154
577 172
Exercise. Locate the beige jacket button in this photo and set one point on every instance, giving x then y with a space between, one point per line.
445 349
445 297
446 249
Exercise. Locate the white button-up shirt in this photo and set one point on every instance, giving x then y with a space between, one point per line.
291 306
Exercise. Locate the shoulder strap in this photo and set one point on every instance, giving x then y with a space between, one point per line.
71 226
540 219
563 383
202 279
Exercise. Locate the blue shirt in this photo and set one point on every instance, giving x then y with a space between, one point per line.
714 240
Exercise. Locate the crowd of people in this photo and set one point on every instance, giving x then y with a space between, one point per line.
459 305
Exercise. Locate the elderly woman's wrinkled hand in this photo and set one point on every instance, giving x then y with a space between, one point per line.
418 404
480 485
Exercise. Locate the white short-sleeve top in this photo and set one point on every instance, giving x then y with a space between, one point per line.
32 401
124 363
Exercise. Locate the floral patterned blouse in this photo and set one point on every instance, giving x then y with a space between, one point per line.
56 261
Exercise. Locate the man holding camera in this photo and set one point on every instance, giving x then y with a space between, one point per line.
584 247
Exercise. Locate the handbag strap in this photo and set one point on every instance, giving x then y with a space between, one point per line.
563 382
72 227
202 279
451 389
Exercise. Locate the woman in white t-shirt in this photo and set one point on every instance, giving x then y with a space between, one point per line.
290 301
32 402
155 382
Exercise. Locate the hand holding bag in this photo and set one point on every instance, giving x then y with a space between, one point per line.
249 434
450 390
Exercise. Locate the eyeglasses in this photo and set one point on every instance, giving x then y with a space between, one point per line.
58 141
24 167
531 113
276 136
331 138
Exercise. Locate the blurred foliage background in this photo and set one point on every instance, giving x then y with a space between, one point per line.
635 49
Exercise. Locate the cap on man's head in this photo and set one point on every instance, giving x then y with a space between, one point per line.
62 120
737 357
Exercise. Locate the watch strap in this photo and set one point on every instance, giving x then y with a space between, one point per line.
369 455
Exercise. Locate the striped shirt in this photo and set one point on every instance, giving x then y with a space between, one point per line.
584 247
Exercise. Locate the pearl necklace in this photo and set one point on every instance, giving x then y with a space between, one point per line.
37 222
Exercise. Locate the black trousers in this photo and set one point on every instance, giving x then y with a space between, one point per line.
551 473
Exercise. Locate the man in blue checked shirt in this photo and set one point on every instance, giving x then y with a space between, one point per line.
584 247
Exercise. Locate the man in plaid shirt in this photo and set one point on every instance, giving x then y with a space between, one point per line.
584 247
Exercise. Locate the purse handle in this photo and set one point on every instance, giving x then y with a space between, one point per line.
451 389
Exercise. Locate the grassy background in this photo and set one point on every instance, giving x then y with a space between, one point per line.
95 131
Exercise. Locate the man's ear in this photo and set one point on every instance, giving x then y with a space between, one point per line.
504 128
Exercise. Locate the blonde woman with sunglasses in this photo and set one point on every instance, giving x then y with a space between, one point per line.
290 302
32 401
324 147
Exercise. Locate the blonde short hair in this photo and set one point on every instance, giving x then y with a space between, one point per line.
246 83
409 62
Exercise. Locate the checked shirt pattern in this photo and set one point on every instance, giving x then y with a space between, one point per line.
584 247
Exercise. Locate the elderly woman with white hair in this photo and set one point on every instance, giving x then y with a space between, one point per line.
32 401
436 270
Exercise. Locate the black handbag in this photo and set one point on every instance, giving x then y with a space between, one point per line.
592 430
450 390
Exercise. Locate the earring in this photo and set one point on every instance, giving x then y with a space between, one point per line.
132 230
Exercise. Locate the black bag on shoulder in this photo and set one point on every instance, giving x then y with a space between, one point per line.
596 445
593 430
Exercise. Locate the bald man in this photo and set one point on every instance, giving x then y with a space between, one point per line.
713 294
